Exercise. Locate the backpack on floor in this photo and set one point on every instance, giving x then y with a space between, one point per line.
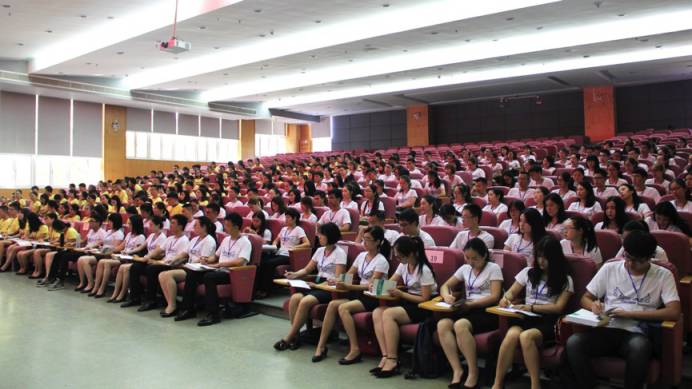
428 360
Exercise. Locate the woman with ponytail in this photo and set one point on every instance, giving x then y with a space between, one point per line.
580 239
370 265
418 278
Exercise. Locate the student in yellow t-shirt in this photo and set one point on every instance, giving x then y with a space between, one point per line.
73 213
14 229
18 197
5 219
62 235
45 233
174 207
34 230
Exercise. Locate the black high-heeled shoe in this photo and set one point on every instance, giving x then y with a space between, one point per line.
346 362
321 356
389 373
79 288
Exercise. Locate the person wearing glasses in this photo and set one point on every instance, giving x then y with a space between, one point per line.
637 295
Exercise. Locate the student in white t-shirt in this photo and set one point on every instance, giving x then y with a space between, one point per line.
330 262
291 237
370 265
86 264
405 196
347 195
416 274
134 243
531 230
471 216
632 201
640 225
614 216
408 223
511 224
173 252
681 192
335 214
637 295
258 226
548 288
200 249
586 203
429 212
482 280
235 250
495 202
155 239
666 218
580 239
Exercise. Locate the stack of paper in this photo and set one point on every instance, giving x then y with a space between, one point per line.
587 318
198 267
519 311
298 284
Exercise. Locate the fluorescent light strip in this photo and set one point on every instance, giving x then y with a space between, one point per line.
661 23
385 22
488 75
139 22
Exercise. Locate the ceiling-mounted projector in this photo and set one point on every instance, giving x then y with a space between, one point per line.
174 46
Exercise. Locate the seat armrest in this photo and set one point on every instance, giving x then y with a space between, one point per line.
242 283
349 235
671 353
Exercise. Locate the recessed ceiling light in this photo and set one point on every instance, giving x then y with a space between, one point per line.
120 52
586 56
216 47
258 11
225 74
495 40
111 17
405 50
467 40
49 31
659 46
434 32
539 28
318 21
385 5
202 27
621 15
262 35
6 6
20 44
644 40
313 56
509 19
568 50
88 63
83 16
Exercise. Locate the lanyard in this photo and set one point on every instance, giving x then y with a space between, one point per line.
324 255
365 266
153 242
519 246
284 237
172 246
636 290
192 250
228 252
472 282
539 291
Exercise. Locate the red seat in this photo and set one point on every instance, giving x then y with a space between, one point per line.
442 235
389 207
488 219
355 222
240 210
498 234
609 243
687 217
677 248
275 226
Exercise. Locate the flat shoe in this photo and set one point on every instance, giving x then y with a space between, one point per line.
166 315
98 296
281 345
346 362
321 356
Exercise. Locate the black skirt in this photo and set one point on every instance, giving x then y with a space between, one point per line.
545 324
415 314
322 296
481 321
370 303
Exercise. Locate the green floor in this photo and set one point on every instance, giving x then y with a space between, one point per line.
63 339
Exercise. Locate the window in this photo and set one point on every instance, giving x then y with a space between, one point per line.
170 147
25 170
321 144
269 144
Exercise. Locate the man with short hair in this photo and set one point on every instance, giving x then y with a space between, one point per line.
522 190
335 214
599 187
637 295
408 222
537 179
377 218
639 182
470 217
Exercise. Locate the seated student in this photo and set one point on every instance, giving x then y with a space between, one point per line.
307 210
173 252
258 226
681 192
256 205
565 187
639 183
640 225
522 190
429 206
450 216
232 194
462 196
531 230
235 250
666 218
188 212
377 218
408 223
614 217
347 195
632 201
406 196
586 203
160 211
155 240
62 236
278 208
13 227
482 280
554 214
111 240
330 262
59 266
372 264
470 216
580 239
35 231
290 237
637 295
599 185
511 224
418 278
434 184
495 202
371 201
539 196
134 243
548 289
335 214
213 212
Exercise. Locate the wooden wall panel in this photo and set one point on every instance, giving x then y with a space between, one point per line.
114 165
417 126
247 139
292 135
599 112
304 138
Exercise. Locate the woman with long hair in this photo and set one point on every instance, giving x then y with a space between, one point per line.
511 224
580 239
548 289
371 201
614 217
632 201
531 230
667 218
681 192
565 186
416 273
307 210
429 206
495 202
258 226
462 196
586 203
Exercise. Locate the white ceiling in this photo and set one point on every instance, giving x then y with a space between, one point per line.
243 23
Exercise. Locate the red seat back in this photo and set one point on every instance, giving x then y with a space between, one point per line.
498 234
275 226
242 210
442 235
488 219
609 243
256 242
355 219
677 247
687 217
511 264
352 250
310 229
389 207
582 270
445 261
